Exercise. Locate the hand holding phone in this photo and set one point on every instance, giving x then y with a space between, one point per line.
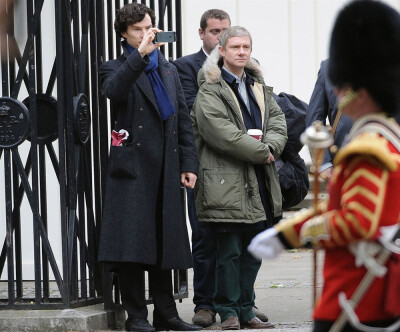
147 44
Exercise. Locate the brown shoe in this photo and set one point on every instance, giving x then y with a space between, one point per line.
231 323
260 315
204 317
257 324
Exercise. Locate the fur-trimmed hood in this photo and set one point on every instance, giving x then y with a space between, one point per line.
211 70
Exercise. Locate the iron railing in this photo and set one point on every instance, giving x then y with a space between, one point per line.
54 138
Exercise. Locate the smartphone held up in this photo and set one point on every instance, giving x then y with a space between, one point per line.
165 37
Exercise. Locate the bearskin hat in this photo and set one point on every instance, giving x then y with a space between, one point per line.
364 51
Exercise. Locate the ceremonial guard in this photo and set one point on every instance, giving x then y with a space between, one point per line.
358 224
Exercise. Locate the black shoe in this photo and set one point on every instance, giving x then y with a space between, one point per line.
174 324
138 324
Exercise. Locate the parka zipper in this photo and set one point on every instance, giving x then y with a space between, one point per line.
249 190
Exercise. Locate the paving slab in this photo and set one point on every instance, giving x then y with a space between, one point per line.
283 291
89 318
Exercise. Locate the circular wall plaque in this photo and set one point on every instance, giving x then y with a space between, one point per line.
14 122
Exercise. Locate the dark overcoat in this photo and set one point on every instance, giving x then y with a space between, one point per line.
323 104
143 216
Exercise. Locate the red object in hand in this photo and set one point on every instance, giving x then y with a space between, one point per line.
118 137
256 133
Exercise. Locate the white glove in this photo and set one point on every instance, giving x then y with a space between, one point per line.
266 245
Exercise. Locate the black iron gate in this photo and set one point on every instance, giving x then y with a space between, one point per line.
54 137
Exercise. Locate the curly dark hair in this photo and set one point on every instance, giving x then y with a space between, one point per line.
131 14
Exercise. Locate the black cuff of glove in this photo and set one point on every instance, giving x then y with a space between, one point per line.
285 243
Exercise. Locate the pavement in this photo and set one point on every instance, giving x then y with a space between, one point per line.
284 291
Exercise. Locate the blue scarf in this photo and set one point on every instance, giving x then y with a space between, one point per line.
163 101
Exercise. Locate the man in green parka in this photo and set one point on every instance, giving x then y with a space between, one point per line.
238 191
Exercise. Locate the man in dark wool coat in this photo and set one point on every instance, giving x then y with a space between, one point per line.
152 154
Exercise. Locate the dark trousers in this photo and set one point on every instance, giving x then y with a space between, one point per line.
236 274
132 288
204 247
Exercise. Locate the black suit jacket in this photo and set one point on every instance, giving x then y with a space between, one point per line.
323 104
188 67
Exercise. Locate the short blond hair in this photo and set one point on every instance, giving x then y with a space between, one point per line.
235 31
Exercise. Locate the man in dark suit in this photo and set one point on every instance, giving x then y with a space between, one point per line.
323 104
212 23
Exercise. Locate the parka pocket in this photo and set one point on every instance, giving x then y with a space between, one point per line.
222 188
121 161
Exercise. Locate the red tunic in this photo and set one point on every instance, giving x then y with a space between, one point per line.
364 194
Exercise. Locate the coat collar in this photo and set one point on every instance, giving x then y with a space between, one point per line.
227 76
165 72
200 57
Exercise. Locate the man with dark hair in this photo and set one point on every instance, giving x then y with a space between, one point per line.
238 192
152 154
212 23
358 226
129 15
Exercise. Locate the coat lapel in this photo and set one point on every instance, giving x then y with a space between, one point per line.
168 79
166 76
144 85
200 57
